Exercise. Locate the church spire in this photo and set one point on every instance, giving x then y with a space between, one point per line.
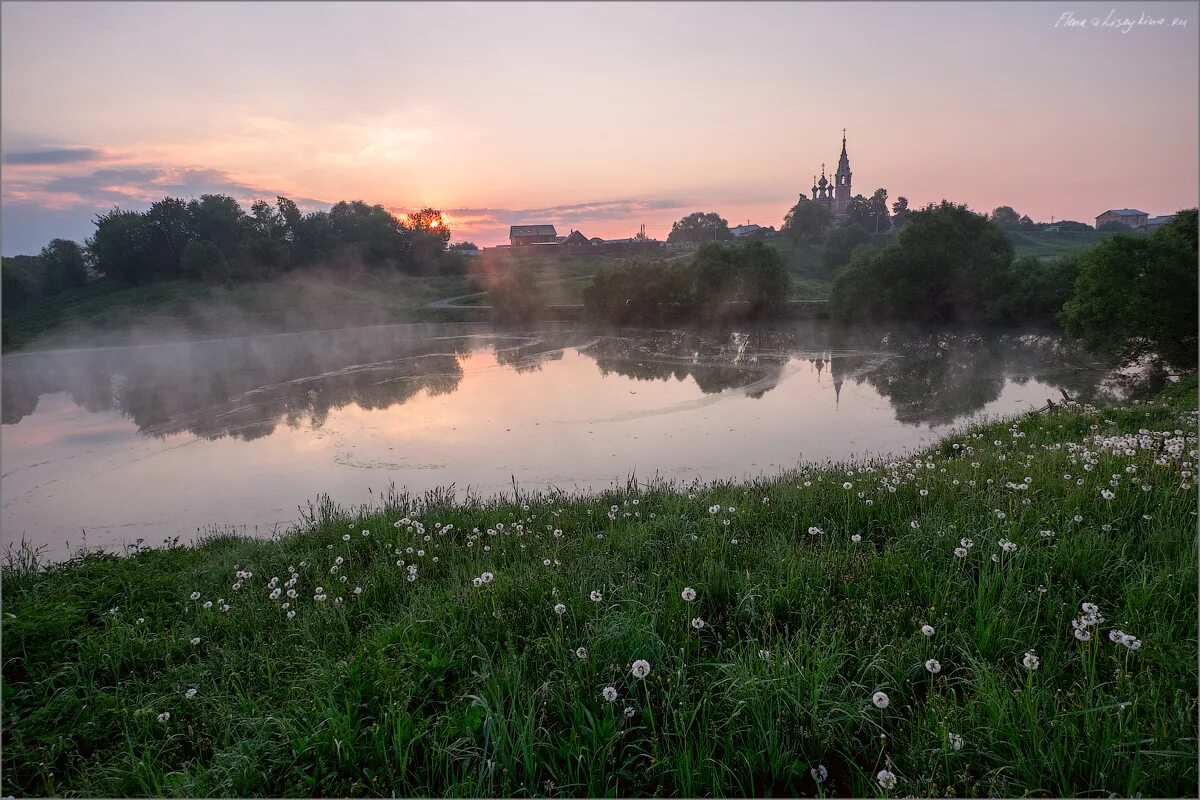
844 160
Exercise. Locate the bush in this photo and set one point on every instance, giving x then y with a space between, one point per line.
515 297
840 245
1034 290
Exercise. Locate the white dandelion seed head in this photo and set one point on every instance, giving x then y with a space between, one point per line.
933 666
956 741
609 693
927 630
886 779
880 699
560 609
640 668
688 594
698 623
164 716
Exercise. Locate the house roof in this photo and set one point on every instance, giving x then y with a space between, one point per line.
532 230
1126 212
1160 220
577 238
740 229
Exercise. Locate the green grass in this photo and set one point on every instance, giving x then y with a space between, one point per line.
439 687
1038 244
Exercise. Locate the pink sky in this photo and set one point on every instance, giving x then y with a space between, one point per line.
599 116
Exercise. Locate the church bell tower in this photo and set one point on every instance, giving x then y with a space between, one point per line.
841 182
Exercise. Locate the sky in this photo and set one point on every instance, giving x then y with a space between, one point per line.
592 116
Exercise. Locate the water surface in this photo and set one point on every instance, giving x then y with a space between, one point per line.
161 441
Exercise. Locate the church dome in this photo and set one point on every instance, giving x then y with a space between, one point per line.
823 181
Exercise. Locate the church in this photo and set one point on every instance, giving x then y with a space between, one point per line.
835 196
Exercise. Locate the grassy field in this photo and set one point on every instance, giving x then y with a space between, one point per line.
1041 245
496 648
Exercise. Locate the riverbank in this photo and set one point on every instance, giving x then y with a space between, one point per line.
404 673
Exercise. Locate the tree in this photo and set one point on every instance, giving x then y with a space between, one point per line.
120 246
430 221
700 227
204 260
18 288
1005 217
860 211
1035 290
946 265
900 212
752 273
465 246
169 226
807 221
841 243
1136 296
879 211
64 265
219 219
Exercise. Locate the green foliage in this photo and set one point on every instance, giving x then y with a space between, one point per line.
1006 217
515 296
437 687
649 292
641 292
1035 290
63 262
699 227
204 260
1136 296
807 221
840 244
946 265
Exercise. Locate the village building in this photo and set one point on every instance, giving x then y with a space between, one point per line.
519 235
745 230
1154 223
836 195
1129 217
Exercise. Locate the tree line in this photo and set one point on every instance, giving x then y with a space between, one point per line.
214 239
1127 297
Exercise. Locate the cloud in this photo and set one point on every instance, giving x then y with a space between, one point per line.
565 213
48 204
53 155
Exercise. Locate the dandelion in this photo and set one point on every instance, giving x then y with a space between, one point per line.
880 700
914 524
698 623
345 537
765 655
886 779
596 596
275 594
194 596
814 530
207 604
291 613
927 630
1031 661
688 594
366 533
358 590
960 552
609 693
486 577
856 538
967 543
560 609
847 485
477 582
819 773
1007 546
933 666
195 641
164 716
190 694
640 668
956 741
629 712
141 620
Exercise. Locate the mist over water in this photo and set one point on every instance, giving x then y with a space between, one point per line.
158 441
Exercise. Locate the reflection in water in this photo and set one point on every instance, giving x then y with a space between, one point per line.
165 439
245 387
